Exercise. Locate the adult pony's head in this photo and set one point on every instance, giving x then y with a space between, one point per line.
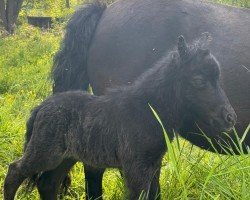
205 102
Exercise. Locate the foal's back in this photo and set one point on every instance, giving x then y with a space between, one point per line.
62 109
54 119
77 125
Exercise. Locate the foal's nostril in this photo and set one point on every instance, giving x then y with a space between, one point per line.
230 118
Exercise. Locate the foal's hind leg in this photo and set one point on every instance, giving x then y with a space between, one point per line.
35 159
49 182
13 180
20 170
93 182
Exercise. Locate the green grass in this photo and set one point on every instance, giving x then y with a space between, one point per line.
187 172
241 3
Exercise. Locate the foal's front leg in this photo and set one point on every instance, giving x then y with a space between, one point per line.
142 178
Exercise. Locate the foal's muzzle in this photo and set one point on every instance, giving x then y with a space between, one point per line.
225 119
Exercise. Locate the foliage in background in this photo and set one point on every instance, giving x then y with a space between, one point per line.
52 8
241 3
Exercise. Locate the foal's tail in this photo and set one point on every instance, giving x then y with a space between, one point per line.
32 181
70 63
29 126
28 135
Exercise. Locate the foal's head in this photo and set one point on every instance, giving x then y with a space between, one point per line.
204 101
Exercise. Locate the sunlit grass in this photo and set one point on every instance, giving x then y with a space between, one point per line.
241 3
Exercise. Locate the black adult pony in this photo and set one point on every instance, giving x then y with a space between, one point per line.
131 35
113 46
118 129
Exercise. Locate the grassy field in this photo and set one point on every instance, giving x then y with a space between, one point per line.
242 3
187 172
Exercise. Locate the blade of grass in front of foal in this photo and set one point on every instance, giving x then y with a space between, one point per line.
244 136
245 133
171 153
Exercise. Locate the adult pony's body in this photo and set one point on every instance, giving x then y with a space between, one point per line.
113 46
132 35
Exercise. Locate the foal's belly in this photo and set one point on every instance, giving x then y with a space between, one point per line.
100 160
97 150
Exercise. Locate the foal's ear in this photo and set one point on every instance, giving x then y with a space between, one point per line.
182 46
205 41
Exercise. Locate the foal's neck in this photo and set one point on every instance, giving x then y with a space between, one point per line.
160 87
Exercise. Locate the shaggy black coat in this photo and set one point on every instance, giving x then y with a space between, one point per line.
118 130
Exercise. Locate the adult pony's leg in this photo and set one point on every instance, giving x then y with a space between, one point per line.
49 183
93 182
155 192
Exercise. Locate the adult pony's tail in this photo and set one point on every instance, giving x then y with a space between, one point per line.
70 63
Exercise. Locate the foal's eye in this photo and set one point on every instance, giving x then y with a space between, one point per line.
198 81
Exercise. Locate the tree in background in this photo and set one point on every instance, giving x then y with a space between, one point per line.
9 10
